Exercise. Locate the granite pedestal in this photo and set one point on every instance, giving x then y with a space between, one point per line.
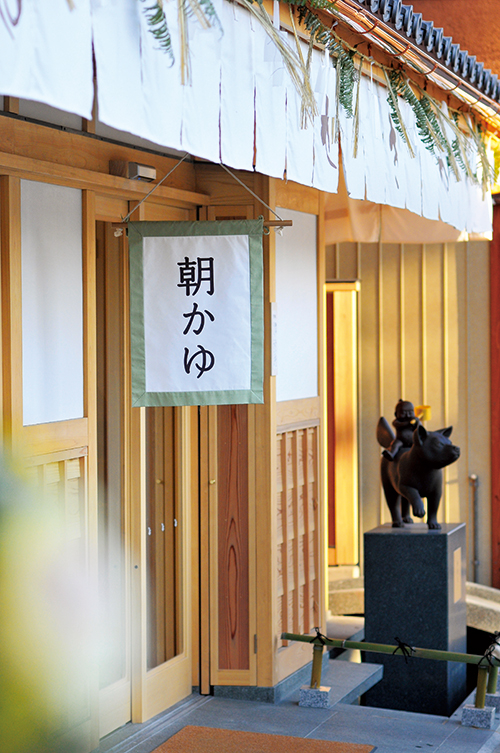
415 591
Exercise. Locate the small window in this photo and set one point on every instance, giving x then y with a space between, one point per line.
52 303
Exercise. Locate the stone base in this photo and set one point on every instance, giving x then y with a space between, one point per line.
415 589
316 698
493 699
473 717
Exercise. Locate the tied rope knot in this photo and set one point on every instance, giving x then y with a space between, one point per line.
492 652
319 636
405 649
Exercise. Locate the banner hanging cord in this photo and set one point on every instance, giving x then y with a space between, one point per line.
278 229
126 218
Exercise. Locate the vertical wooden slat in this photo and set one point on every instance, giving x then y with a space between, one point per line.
177 518
445 504
411 324
286 620
495 396
380 358
313 469
265 467
10 249
434 331
402 330
194 586
294 462
204 572
330 419
343 417
308 504
452 381
90 408
423 317
233 540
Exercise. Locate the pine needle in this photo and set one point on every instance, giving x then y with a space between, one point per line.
337 105
205 13
396 114
347 78
158 27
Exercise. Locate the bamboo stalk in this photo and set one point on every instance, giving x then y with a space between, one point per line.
418 653
317 665
482 677
492 680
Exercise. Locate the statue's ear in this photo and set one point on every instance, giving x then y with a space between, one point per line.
446 432
420 434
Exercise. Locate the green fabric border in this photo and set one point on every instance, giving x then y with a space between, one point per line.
139 230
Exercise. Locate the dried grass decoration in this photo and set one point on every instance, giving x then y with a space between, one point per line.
202 10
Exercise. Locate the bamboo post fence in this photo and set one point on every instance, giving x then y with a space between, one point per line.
487 675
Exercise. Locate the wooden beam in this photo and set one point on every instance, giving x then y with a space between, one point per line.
110 185
11 104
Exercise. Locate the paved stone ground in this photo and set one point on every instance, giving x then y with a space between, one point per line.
390 731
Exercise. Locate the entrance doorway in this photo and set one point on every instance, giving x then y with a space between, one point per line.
143 521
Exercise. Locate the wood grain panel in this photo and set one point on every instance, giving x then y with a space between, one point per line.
423 330
292 414
233 537
41 439
434 332
31 140
110 208
495 397
297 197
411 324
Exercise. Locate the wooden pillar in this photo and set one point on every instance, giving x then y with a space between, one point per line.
495 392
10 224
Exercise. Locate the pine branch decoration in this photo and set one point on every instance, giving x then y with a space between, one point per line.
155 16
347 77
487 169
204 12
393 86
460 148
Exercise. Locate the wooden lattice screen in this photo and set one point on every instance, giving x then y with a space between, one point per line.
298 530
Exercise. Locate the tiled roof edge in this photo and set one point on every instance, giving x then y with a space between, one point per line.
425 35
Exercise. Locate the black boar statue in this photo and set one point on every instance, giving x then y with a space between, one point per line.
415 472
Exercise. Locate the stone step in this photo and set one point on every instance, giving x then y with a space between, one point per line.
347 597
349 680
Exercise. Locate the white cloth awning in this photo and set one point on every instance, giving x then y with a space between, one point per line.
240 107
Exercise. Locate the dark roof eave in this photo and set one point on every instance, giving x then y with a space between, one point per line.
397 30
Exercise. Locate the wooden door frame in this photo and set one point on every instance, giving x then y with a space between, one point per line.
341 361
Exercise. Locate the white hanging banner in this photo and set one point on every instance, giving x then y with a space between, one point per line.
196 312
46 54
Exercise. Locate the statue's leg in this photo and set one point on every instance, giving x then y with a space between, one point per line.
414 499
433 501
392 497
405 511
